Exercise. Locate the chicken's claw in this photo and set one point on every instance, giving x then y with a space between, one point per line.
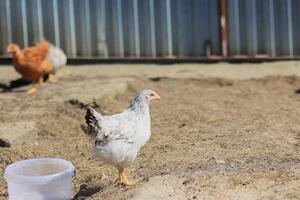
123 179
52 78
32 90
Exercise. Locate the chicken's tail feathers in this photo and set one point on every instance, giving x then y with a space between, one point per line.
92 115
89 131
57 57
84 128
93 121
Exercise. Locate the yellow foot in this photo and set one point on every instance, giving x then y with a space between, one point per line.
32 90
123 179
127 183
52 78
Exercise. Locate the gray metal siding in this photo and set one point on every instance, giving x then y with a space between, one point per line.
195 23
113 28
153 28
264 27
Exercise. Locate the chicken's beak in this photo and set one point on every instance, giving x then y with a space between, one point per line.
157 97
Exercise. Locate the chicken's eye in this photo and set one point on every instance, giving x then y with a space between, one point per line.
151 94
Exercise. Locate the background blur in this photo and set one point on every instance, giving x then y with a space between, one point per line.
196 29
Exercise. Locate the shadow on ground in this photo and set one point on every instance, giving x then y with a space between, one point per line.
86 191
14 84
297 91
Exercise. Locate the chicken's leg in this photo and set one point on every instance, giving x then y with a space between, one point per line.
32 89
120 177
40 80
52 78
123 179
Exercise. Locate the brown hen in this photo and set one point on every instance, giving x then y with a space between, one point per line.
32 62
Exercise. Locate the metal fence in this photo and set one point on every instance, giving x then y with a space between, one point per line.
266 28
138 29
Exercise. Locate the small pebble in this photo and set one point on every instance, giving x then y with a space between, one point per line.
220 162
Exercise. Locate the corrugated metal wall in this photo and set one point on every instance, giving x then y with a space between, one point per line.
264 28
113 28
153 28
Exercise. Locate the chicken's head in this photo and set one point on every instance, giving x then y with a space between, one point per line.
13 49
149 95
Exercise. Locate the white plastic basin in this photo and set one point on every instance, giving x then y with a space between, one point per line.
40 179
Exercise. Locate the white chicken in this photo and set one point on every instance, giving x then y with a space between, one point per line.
119 137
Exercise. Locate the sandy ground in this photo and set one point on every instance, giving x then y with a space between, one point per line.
220 132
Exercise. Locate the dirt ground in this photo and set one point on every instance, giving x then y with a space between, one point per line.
212 138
